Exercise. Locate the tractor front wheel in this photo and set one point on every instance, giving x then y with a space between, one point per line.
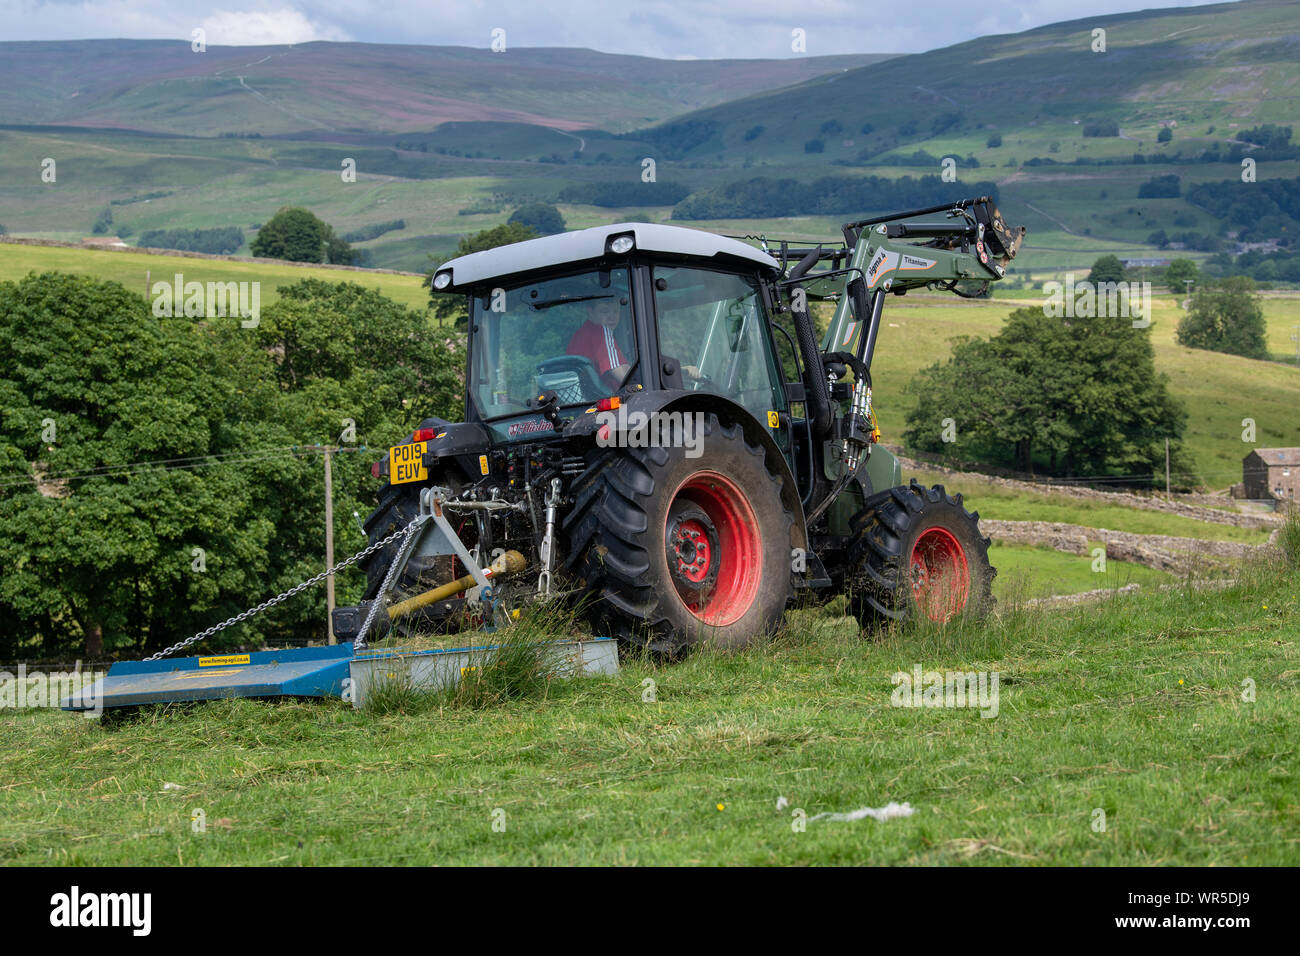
917 550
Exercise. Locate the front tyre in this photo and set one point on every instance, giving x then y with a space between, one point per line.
917 550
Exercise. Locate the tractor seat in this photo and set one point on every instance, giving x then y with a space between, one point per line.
573 378
566 385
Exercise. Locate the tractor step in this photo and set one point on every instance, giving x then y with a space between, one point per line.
295 672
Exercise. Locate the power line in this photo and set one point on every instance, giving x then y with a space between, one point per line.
128 469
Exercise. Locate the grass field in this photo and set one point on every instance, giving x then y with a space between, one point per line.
1028 572
1133 707
1218 390
136 269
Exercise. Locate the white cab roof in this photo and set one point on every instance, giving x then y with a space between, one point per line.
587 244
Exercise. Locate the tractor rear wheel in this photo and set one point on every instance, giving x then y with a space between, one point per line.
917 550
671 551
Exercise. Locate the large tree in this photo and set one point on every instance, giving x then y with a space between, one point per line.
1107 269
107 408
543 218
1225 316
296 234
1072 396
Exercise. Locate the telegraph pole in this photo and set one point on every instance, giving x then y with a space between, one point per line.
1166 466
329 542
1295 337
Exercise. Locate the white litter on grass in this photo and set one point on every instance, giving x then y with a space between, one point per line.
887 812
782 803
172 786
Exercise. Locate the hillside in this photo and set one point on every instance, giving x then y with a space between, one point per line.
162 86
452 139
1228 64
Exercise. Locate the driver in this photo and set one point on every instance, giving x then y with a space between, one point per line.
595 340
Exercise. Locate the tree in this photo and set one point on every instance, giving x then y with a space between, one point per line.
296 234
172 434
448 306
814 146
1165 135
543 218
1107 269
1074 396
994 140
1225 316
1179 271
97 547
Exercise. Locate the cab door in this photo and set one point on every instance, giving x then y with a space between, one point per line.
713 328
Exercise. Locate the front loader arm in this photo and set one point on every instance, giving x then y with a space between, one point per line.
886 256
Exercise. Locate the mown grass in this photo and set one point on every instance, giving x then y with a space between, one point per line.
1033 572
1133 705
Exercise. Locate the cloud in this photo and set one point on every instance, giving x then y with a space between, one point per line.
286 25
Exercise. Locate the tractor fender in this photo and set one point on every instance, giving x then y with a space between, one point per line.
683 400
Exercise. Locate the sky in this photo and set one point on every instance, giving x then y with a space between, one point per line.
669 29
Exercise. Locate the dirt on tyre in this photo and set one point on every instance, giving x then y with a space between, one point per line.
918 551
670 551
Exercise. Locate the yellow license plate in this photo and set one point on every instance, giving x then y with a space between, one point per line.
406 463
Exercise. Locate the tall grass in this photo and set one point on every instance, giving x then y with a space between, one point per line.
1288 540
519 662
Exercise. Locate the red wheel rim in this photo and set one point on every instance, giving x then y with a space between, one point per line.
739 558
940 575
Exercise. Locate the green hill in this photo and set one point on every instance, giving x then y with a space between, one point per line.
163 86
1227 65
452 139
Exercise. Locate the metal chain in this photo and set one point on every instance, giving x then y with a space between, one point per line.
360 642
245 615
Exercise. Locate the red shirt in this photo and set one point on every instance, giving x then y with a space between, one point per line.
596 342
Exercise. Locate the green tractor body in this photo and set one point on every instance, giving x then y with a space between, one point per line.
652 424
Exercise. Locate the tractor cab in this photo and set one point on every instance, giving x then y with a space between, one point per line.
573 320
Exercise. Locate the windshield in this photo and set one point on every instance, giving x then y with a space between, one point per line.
573 336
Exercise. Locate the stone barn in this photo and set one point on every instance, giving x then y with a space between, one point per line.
1272 473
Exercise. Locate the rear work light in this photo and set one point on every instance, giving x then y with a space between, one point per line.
608 404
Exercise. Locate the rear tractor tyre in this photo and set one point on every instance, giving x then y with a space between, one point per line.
671 551
917 550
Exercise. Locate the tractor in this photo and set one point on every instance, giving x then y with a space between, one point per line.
653 435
